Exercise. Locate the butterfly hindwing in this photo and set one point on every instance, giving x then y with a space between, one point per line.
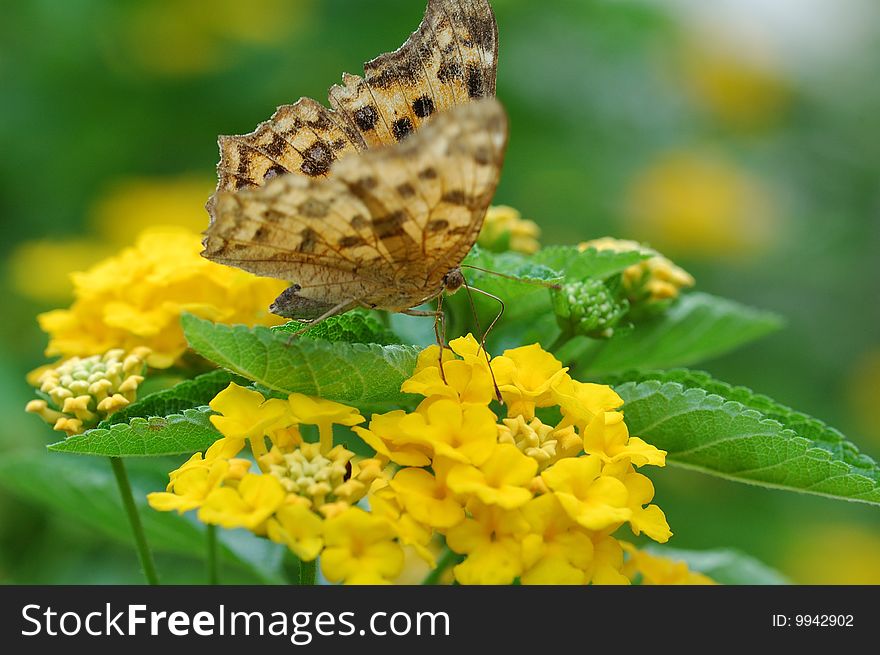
387 224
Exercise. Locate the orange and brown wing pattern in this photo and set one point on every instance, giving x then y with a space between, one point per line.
449 60
387 224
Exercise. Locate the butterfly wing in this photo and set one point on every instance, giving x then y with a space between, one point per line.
449 60
384 228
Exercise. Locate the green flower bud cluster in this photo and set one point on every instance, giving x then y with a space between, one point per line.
588 308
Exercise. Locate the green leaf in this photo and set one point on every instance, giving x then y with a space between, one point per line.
519 291
579 265
721 432
723 565
184 395
353 373
84 490
356 326
176 434
697 327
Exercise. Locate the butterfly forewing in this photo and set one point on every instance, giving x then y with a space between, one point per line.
449 60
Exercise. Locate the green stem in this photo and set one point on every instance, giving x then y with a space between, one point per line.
447 559
308 572
137 528
563 338
213 573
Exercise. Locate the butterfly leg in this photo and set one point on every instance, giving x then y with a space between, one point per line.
439 328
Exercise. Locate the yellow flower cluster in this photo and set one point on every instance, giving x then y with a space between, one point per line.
304 494
534 497
651 569
136 298
653 280
504 229
82 392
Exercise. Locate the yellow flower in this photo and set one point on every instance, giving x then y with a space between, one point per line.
384 502
594 500
580 402
556 550
607 565
698 203
298 528
543 443
190 485
132 205
651 280
389 439
651 520
501 480
607 437
467 380
656 570
325 482
244 414
526 376
40 270
427 497
505 229
464 433
741 90
324 414
492 542
137 297
360 549
248 506
85 391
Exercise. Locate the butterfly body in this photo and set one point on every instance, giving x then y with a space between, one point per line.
374 202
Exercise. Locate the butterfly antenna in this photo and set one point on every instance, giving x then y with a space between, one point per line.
539 283
485 334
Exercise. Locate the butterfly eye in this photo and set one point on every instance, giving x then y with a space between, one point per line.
453 281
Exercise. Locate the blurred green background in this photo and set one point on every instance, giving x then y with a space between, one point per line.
740 137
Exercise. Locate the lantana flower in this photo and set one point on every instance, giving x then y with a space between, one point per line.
514 497
135 299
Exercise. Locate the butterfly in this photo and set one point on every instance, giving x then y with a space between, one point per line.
376 201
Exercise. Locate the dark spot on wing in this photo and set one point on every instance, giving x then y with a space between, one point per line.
313 208
402 128
455 197
317 159
351 241
309 240
274 172
483 156
358 222
449 71
438 225
406 190
390 226
475 83
423 107
366 118
366 183
428 174
277 146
